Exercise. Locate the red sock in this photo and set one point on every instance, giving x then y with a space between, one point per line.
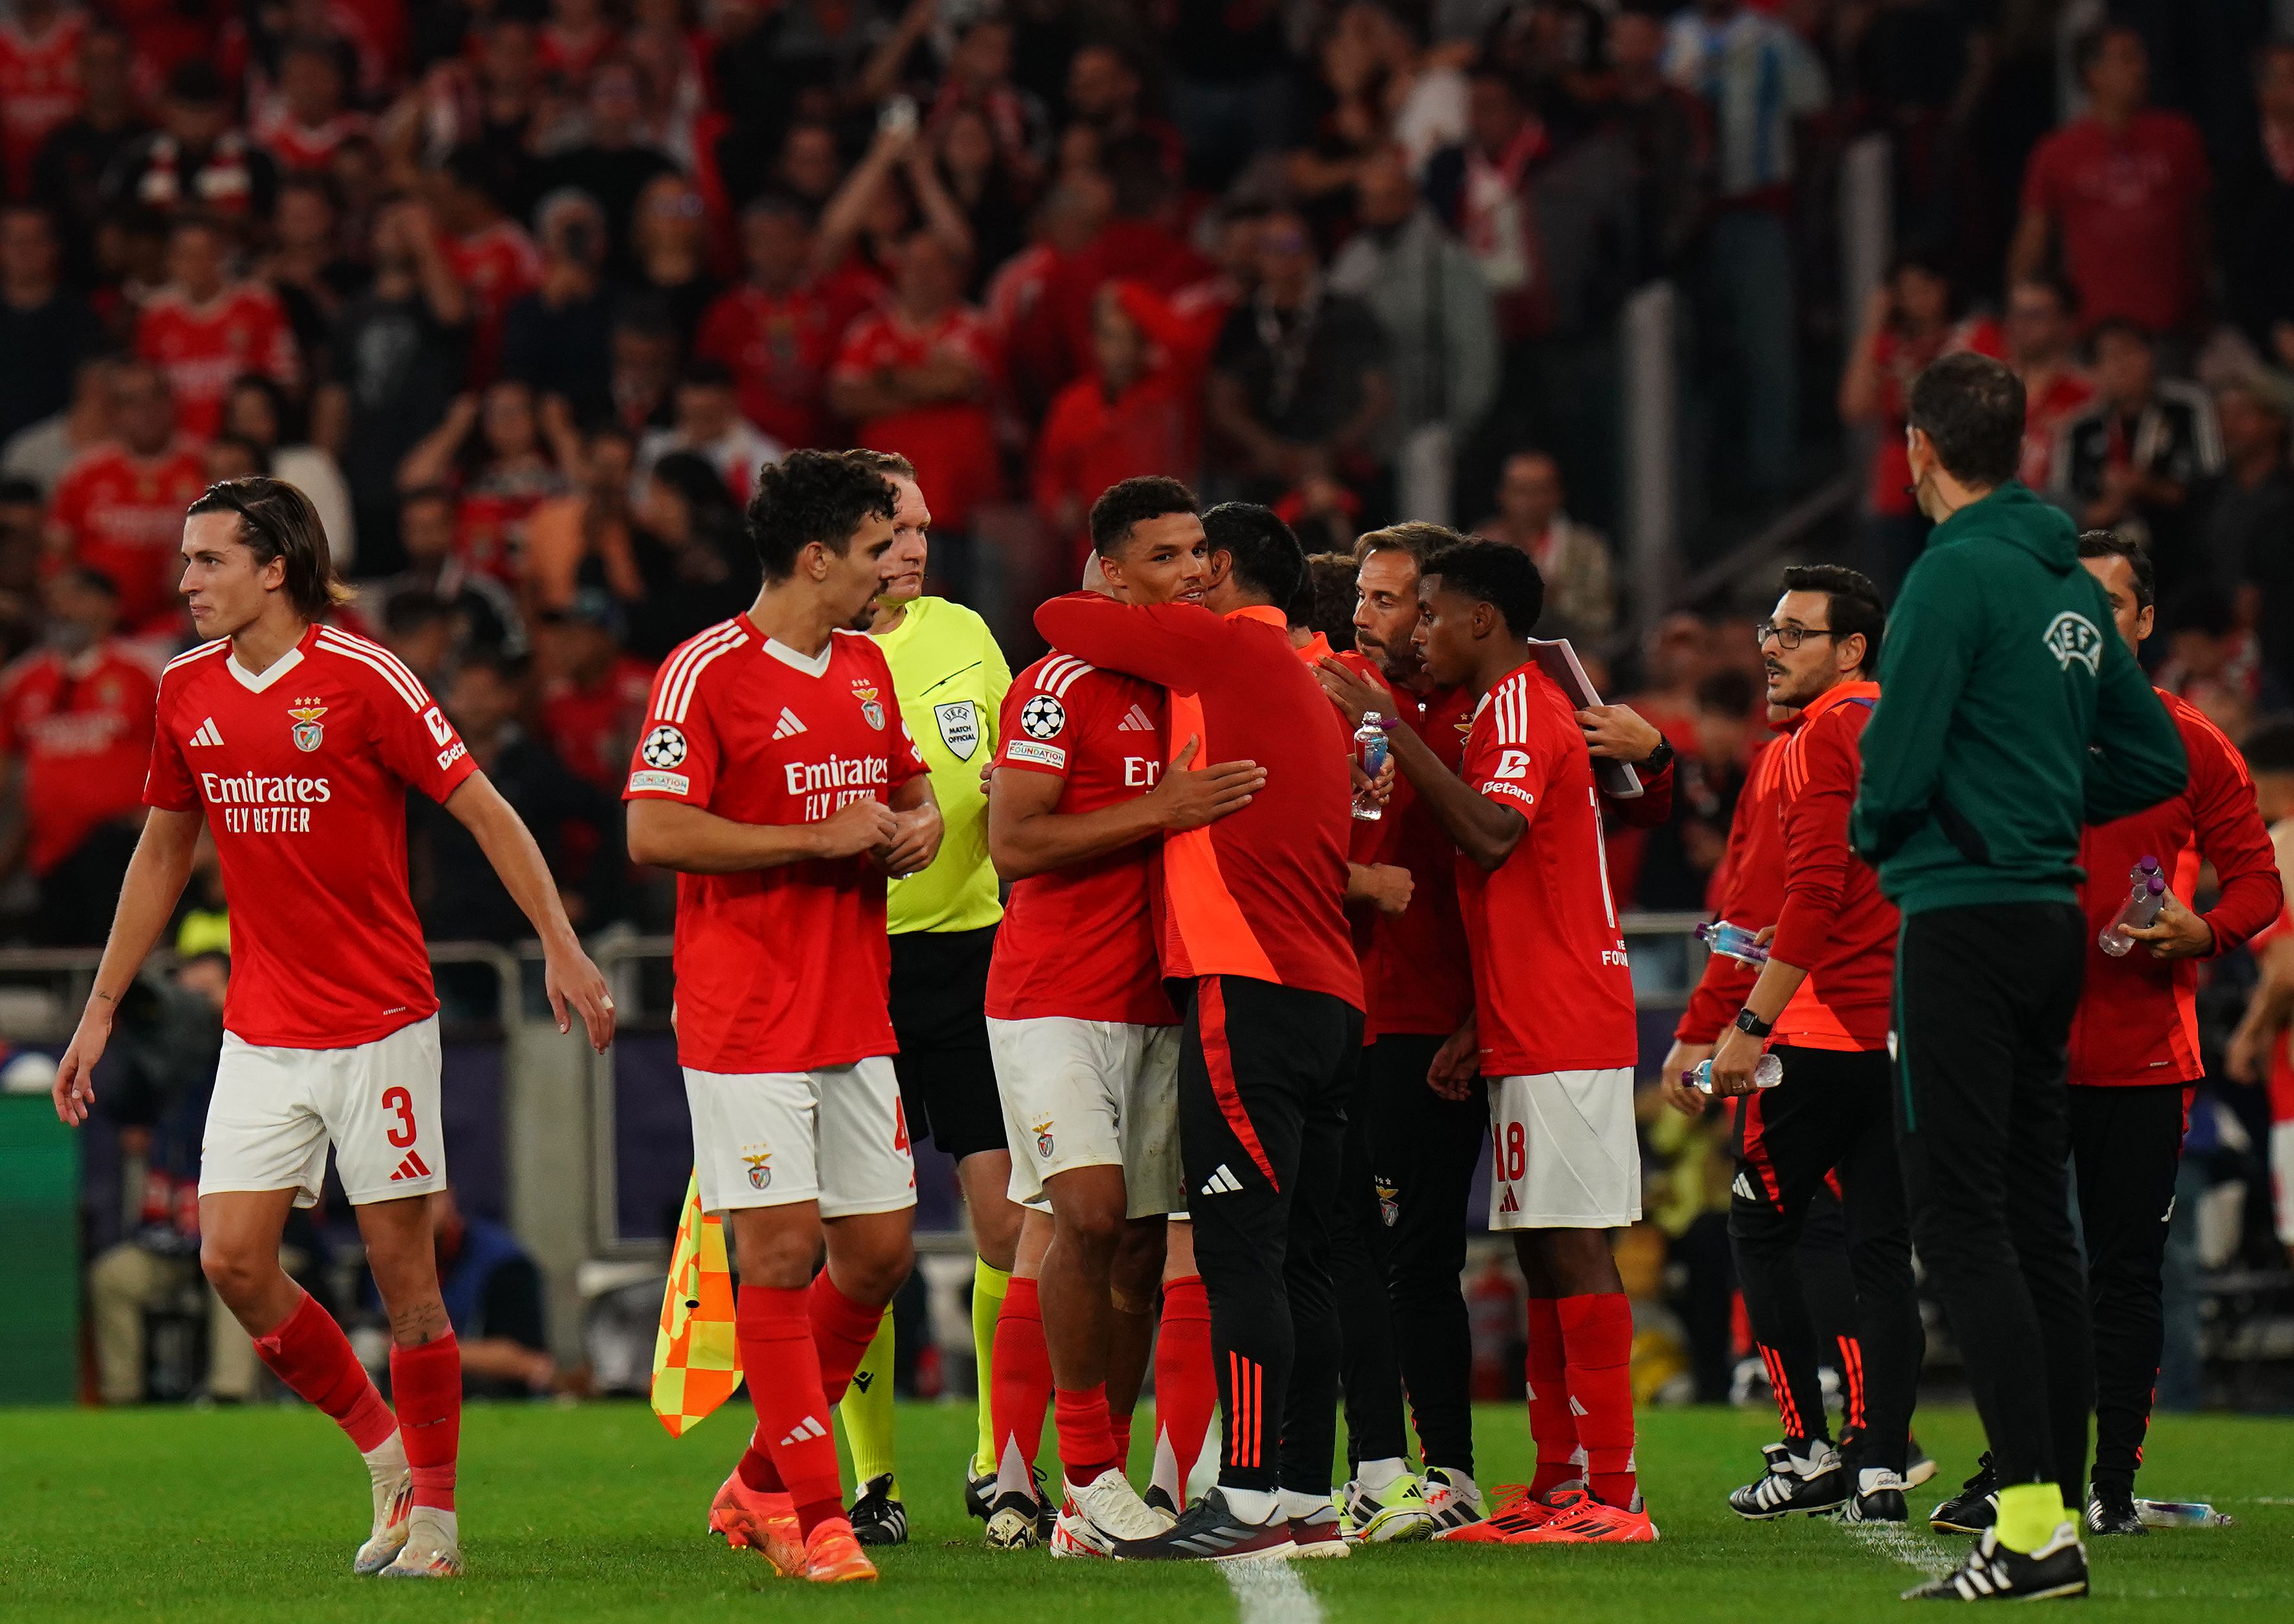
783 1368
1550 1422
1086 1441
310 1354
1020 1386
1597 1335
1186 1393
1118 1427
756 1467
427 1384
842 1329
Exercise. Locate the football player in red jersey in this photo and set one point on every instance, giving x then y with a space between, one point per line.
1086 1040
1532 884
776 777
294 743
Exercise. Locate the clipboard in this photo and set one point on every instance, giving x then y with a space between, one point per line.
1617 779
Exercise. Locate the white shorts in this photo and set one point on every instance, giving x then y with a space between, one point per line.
2281 1179
837 1136
275 1111
1090 1093
1566 1155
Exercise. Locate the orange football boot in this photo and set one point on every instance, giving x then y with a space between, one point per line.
764 1520
1577 1518
1515 1511
832 1557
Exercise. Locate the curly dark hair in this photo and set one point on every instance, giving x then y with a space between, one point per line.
1326 598
1490 572
1135 502
809 497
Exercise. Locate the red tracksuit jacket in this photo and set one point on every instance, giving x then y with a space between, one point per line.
1834 921
1751 892
2138 1019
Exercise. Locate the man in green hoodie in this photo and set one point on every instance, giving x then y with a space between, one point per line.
2009 717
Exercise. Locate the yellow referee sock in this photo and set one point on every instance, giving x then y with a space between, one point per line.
989 1284
2029 1515
867 1408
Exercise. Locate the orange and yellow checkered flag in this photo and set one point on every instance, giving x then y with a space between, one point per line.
696 1364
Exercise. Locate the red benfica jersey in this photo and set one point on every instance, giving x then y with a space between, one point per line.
302 773
952 443
1552 988
497 265
1089 441
203 347
1079 941
778 348
1749 885
307 146
2066 396
1420 975
124 515
1833 923
1261 892
82 727
39 88
787 969
2138 1019
591 728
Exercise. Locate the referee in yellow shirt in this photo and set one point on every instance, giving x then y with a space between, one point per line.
951 679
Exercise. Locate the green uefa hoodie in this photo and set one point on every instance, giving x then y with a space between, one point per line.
2009 716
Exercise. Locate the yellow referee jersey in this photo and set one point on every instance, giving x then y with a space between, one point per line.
951 679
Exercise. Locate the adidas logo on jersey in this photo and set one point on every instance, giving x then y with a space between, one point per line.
1509 1204
412 1167
789 727
809 1427
208 734
1221 1183
1744 1187
1135 720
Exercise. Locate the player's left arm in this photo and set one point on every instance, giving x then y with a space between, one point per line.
916 825
1168 643
2233 837
567 973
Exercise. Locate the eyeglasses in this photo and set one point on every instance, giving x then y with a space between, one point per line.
1787 637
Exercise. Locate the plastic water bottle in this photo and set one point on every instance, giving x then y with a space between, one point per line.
1767 1073
1369 749
1733 942
2181 1514
2147 895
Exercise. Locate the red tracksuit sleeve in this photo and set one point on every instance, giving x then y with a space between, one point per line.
1815 842
1175 644
2232 836
1653 806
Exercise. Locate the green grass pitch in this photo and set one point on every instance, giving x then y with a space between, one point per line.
573 1514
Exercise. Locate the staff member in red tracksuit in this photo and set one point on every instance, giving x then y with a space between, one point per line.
2135 1041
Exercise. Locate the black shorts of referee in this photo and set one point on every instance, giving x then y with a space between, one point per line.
939 1002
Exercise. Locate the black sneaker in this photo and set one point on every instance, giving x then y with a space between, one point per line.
1158 1500
877 1518
1793 1484
1993 1573
979 1493
2111 1511
1211 1532
1975 1507
1879 1497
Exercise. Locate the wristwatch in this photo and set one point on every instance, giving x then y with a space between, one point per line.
1657 759
1752 1024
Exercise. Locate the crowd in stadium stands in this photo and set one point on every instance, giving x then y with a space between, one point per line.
522 292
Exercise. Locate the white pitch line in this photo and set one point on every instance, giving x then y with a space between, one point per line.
1904 1544
1268 1592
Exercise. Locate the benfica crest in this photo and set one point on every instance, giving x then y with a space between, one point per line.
870 707
308 733
760 1172
1043 1139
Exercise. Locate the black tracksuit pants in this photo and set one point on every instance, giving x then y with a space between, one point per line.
1369 1372
1830 1112
1984 999
2127 1144
1262 1135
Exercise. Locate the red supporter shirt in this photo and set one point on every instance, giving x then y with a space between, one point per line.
82 727
308 148
303 774
2130 206
1552 988
1833 923
2066 396
1420 975
778 348
591 728
39 88
497 265
1260 893
203 347
2138 1019
1751 889
952 443
787 969
1089 442
124 515
1079 941
1899 360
